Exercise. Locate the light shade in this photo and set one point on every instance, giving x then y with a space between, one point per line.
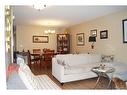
49 31
92 39
39 6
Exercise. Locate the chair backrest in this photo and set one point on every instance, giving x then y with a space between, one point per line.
29 57
33 58
45 50
47 59
37 51
48 56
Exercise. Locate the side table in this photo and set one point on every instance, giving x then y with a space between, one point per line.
103 72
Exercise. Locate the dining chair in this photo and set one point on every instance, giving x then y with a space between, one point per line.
37 51
34 59
45 50
47 59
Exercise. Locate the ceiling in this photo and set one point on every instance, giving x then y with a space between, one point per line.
61 16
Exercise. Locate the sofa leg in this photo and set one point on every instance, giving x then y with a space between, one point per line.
62 84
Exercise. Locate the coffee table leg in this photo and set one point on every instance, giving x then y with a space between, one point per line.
109 83
110 80
97 81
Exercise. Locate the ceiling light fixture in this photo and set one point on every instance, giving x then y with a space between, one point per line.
39 7
49 31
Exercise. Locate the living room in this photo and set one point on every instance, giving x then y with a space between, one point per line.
111 23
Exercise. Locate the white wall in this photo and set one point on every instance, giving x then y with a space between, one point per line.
24 34
113 45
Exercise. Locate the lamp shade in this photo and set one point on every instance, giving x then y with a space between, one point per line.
92 39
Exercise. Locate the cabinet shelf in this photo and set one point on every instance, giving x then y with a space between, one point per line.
63 43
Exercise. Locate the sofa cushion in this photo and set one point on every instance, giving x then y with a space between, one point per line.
75 70
28 77
24 79
76 60
82 59
15 82
82 68
62 56
61 60
20 61
94 58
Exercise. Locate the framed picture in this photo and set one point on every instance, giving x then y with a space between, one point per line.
80 39
124 22
104 34
93 33
40 39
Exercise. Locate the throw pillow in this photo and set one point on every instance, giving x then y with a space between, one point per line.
11 68
107 58
61 62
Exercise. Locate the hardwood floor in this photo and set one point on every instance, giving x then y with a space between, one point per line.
79 85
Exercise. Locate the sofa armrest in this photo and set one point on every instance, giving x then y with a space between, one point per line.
57 69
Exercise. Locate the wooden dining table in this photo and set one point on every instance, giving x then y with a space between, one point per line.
43 59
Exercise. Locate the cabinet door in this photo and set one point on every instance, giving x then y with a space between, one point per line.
63 43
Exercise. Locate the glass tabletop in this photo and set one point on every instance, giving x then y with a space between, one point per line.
103 70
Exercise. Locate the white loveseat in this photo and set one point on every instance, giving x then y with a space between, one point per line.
72 67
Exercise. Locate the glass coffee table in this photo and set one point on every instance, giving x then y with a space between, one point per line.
105 72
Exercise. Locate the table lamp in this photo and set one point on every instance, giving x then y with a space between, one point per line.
92 39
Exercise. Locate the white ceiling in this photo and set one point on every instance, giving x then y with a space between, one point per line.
61 16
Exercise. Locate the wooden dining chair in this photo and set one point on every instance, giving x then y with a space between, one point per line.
47 59
34 59
37 51
45 50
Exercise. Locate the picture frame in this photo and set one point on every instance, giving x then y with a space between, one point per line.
124 24
93 33
40 39
80 39
104 34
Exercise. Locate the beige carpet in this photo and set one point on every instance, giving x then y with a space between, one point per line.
79 85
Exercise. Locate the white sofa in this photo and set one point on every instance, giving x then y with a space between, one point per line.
31 81
72 67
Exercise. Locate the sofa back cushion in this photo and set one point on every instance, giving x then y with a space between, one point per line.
61 58
20 60
76 60
28 77
94 58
